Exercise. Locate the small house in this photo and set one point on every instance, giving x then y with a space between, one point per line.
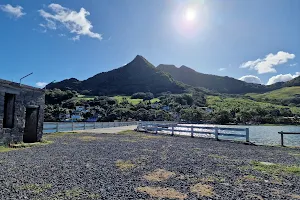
21 113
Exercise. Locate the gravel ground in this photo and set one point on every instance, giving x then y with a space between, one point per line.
147 166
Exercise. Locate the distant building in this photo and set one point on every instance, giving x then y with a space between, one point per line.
21 113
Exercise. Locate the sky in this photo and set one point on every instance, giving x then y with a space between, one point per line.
255 41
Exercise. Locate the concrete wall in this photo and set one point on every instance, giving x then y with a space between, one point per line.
25 96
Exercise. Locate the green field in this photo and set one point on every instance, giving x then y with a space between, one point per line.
217 102
133 101
283 93
85 97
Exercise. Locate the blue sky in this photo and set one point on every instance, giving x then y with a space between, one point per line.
257 40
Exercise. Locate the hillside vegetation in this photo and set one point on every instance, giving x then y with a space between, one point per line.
247 105
287 96
216 83
121 99
283 93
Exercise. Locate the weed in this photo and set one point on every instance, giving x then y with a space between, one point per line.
27 145
217 156
202 190
5 149
124 165
159 175
254 196
248 178
275 169
295 154
88 138
160 192
36 188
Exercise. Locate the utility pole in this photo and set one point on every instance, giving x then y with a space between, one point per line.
25 77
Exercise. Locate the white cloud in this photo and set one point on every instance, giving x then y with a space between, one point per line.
75 22
75 38
267 64
294 64
41 84
282 78
13 11
251 79
222 69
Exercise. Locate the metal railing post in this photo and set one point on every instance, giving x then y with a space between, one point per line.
247 135
281 137
217 133
172 130
192 131
94 125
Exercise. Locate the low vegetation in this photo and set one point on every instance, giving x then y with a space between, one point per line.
159 175
203 190
21 145
275 169
124 165
161 192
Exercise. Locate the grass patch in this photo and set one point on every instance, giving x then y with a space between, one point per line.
160 192
216 102
254 196
88 138
124 165
86 97
275 169
159 175
129 140
27 145
283 93
202 190
36 188
216 156
5 149
119 99
208 179
58 134
128 132
295 154
20 145
248 178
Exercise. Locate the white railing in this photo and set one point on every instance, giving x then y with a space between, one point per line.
51 127
173 128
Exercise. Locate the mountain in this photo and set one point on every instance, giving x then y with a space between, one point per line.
212 82
293 82
137 76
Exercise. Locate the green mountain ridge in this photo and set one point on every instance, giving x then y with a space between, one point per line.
138 75
141 76
221 84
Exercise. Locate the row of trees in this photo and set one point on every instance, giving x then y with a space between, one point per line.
185 107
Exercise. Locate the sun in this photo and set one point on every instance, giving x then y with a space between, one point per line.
190 14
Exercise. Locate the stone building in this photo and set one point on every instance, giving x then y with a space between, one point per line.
21 113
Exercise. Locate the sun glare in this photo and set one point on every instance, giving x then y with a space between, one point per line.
190 14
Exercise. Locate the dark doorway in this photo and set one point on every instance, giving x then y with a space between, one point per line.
9 110
31 123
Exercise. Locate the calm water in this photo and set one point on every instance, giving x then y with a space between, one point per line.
267 135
